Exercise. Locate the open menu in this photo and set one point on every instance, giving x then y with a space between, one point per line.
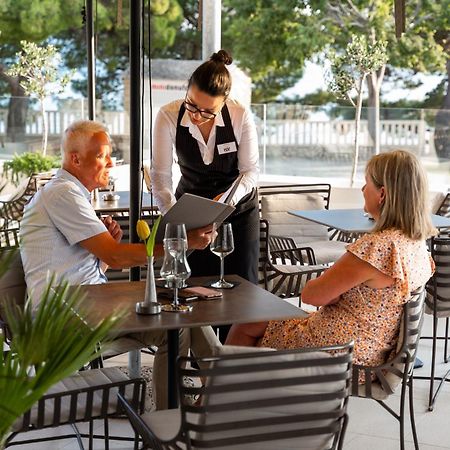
194 212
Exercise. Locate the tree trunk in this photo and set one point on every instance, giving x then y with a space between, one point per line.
17 110
374 81
442 126
357 126
44 128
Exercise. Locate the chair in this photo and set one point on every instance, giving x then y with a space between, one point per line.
444 207
289 232
286 280
256 399
12 281
87 396
11 211
437 303
382 381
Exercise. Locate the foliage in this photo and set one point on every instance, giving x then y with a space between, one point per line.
360 58
283 36
28 163
349 71
38 70
53 341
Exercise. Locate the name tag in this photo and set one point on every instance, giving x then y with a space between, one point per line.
229 147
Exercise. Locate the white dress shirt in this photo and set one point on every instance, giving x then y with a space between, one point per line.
164 153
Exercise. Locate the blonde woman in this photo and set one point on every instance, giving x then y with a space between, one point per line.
361 296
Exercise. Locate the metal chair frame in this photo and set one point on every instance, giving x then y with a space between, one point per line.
195 434
11 211
435 301
286 284
281 243
54 402
401 365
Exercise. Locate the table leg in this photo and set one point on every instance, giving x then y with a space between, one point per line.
172 350
134 363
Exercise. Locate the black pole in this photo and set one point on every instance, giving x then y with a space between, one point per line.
135 121
90 40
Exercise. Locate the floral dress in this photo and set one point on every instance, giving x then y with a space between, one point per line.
368 316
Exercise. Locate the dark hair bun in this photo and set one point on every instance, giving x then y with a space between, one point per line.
222 57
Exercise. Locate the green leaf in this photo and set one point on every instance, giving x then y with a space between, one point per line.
151 240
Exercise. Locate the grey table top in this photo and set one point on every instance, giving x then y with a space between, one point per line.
244 303
121 204
352 220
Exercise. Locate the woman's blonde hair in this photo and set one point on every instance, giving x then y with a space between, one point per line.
405 206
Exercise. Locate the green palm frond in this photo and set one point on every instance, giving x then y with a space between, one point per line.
53 341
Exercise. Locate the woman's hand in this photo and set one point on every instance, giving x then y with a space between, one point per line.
200 238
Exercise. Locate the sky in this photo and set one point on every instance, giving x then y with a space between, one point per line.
315 75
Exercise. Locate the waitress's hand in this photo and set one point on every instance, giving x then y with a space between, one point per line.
200 238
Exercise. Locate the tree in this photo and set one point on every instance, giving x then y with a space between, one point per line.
349 72
32 21
283 36
416 50
37 68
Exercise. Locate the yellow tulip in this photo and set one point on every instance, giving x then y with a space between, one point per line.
143 230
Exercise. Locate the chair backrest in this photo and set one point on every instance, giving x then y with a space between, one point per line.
275 201
12 209
438 287
263 251
400 363
268 399
12 279
444 207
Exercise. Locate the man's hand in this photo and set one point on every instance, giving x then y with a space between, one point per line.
200 238
216 198
113 228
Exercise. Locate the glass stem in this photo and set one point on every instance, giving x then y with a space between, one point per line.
222 269
175 295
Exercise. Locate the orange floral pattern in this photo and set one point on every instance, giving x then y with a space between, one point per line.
368 316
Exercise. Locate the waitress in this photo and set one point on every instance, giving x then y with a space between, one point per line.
213 139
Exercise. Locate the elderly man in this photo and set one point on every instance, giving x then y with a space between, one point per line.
63 237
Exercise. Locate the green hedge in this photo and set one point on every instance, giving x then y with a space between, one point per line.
28 163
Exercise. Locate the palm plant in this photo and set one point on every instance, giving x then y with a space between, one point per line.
48 344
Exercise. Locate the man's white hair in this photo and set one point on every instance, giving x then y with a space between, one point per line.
77 135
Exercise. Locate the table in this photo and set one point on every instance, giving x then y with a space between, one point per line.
352 220
244 303
120 205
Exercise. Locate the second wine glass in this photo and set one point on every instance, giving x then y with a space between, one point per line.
222 245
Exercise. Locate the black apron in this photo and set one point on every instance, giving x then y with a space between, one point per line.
209 181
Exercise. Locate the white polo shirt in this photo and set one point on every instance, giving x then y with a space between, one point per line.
58 217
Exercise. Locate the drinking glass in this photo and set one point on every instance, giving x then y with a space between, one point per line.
222 245
175 270
175 231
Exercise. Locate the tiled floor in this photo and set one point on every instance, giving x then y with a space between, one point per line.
370 426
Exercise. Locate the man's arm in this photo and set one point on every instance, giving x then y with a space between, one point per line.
119 255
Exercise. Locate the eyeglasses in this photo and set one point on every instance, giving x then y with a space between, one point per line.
193 109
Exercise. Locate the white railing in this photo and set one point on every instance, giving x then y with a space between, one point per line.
339 134
334 135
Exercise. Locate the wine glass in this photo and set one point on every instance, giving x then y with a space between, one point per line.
175 270
222 245
175 231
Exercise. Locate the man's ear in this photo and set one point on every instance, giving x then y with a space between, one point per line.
75 158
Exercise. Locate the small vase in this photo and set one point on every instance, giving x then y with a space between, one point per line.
150 304
150 286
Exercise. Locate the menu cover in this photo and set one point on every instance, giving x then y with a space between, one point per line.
194 212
